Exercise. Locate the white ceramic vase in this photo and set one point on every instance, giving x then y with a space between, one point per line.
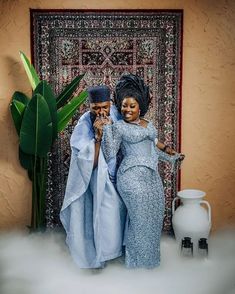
190 219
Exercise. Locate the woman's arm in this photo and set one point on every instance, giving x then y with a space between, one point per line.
165 148
111 141
175 159
165 152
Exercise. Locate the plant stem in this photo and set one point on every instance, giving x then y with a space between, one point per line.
42 185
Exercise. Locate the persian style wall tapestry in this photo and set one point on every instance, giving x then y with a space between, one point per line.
104 45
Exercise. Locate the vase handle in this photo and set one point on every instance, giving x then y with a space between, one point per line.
209 209
173 204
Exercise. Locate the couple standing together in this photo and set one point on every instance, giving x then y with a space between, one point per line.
107 205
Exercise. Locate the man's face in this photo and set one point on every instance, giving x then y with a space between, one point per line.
100 108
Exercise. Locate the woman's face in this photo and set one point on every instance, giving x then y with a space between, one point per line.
130 109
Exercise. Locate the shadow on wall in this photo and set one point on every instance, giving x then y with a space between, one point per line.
16 77
15 80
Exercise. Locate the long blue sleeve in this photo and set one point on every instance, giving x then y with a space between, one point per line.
165 157
111 141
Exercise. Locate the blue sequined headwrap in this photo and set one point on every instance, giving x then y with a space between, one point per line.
98 94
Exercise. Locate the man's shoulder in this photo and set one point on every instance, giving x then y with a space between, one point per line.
82 130
114 113
84 123
84 119
85 116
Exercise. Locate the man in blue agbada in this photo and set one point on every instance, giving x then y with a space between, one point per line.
93 214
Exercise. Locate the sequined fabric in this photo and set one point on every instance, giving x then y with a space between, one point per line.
140 186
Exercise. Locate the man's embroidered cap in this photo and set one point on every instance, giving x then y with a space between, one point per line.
98 94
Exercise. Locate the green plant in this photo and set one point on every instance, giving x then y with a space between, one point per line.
38 121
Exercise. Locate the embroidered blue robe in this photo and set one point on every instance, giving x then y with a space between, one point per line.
92 214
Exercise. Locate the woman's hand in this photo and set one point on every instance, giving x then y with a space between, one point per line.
180 160
165 148
98 125
170 150
182 156
106 120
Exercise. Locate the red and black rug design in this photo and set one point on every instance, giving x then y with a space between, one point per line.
104 45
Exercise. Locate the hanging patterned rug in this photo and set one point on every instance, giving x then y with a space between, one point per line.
104 45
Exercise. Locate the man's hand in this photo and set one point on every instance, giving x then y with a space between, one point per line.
98 127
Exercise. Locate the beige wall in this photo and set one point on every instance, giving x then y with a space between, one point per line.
207 108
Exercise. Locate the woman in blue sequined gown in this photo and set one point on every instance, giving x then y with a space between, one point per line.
138 180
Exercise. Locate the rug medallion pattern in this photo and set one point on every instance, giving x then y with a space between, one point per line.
103 46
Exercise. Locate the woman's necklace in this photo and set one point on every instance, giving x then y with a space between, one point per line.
135 122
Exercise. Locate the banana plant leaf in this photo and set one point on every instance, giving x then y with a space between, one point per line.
21 97
68 91
45 90
17 110
66 113
30 71
26 160
36 128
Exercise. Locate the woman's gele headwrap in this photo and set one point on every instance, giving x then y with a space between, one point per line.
132 86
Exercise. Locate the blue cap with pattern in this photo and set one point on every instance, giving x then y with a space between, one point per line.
98 94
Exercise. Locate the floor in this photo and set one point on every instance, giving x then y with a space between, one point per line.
41 264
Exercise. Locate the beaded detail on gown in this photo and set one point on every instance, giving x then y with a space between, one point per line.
140 186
